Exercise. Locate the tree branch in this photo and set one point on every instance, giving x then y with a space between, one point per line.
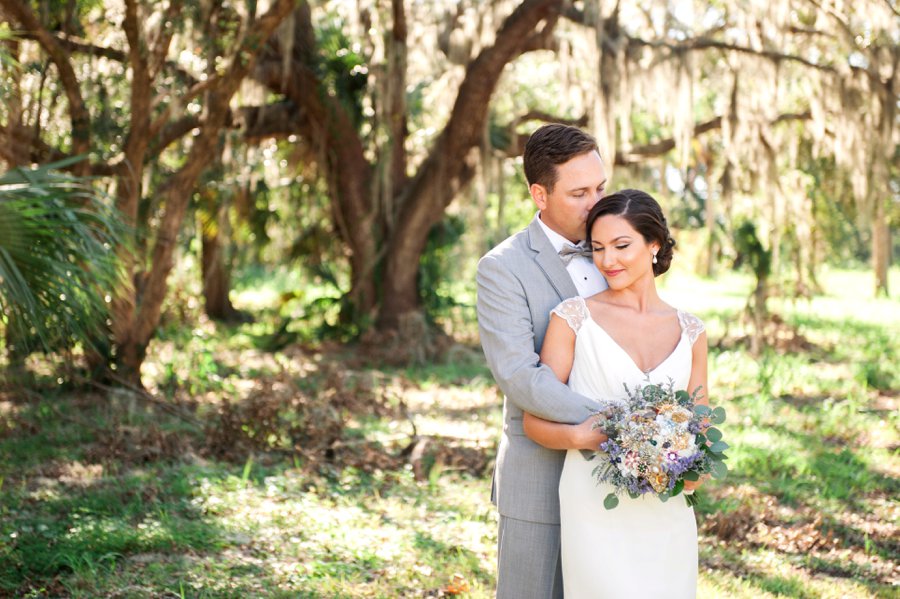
76 44
452 159
78 113
892 7
540 115
445 166
324 121
638 154
278 120
170 133
195 90
841 23
160 46
177 191
13 138
574 14
706 44
543 39
132 27
516 145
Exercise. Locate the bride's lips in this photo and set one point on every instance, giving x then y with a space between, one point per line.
612 273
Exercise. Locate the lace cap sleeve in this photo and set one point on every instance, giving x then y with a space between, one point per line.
691 325
573 311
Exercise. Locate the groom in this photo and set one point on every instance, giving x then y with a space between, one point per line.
519 282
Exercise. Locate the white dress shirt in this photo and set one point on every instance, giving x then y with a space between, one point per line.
588 280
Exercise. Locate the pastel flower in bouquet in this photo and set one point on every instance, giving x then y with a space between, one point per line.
658 439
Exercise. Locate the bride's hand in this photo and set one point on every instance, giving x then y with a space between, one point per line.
588 436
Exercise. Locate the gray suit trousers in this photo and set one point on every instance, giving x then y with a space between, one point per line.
523 570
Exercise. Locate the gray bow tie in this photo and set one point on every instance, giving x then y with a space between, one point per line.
569 251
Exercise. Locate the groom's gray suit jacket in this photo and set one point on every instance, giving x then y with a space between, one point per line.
519 282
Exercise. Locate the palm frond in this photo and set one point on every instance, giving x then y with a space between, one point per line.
58 263
6 59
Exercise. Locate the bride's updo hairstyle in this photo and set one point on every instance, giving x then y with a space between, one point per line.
644 214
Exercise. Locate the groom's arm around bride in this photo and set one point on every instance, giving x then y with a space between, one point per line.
519 282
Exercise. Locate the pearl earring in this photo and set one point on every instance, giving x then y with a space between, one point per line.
654 259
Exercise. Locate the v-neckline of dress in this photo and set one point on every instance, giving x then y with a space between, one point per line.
634 363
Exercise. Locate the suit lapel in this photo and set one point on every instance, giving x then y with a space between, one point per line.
547 258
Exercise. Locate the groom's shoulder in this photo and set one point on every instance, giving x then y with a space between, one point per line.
513 247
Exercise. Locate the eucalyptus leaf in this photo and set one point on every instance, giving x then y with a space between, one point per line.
714 434
717 416
610 501
718 470
701 410
691 476
719 446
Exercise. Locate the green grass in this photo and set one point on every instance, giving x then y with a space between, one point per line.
110 496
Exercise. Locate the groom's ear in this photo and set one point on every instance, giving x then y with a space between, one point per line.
539 195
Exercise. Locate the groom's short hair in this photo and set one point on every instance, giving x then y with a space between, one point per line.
551 145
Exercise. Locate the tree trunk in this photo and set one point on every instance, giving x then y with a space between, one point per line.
712 204
215 269
759 314
324 121
609 43
881 246
151 289
880 184
392 174
386 236
452 161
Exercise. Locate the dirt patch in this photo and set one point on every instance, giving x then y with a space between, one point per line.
759 521
308 415
851 547
430 452
136 445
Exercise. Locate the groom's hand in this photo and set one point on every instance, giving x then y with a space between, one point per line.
588 436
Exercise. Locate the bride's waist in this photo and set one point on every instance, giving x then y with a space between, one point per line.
586 457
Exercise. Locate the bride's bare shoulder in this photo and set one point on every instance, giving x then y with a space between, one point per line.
601 298
668 309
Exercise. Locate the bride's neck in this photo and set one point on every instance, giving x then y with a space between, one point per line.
641 296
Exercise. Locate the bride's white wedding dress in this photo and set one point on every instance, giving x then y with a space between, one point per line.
643 548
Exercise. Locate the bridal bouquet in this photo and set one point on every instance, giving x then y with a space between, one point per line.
657 440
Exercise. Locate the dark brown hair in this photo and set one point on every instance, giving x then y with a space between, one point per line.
644 214
551 145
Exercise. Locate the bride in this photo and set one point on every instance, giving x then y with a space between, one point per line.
626 335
